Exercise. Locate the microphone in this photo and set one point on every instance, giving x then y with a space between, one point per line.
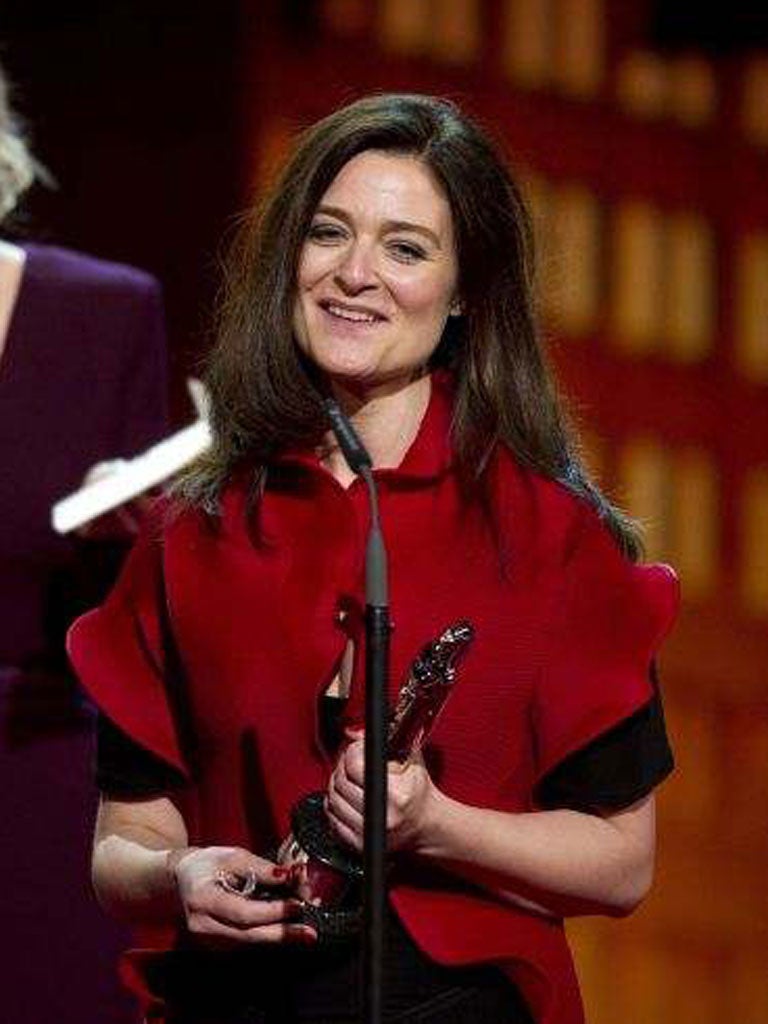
359 461
352 447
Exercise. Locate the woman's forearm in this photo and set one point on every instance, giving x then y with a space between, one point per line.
557 862
135 854
134 882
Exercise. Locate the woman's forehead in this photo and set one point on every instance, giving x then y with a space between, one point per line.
378 184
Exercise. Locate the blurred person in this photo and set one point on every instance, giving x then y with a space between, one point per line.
82 380
391 269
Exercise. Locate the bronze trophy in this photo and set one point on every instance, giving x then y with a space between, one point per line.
326 874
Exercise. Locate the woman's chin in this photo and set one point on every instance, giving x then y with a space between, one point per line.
348 372
351 374
370 382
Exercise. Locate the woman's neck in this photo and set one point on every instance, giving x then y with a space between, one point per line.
11 268
386 423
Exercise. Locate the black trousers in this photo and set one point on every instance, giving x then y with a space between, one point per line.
297 986
456 1005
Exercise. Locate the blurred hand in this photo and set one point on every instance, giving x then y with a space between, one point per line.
217 916
411 797
122 523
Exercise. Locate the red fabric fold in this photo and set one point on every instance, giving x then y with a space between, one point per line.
118 652
609 620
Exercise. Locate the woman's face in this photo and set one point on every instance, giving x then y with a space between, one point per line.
377 273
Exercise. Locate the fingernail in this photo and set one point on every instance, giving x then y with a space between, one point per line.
280 872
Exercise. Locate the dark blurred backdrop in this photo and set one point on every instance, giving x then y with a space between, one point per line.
134 108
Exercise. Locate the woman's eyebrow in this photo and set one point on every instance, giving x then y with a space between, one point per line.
420 229
390 225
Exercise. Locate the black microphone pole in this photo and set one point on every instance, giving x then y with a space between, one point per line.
377 631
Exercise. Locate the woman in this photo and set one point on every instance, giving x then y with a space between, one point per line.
391 267
82 379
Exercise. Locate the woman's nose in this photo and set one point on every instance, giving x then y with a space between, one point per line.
356 271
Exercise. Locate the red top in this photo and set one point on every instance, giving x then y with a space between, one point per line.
564 639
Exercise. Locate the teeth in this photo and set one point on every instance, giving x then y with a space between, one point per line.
350 314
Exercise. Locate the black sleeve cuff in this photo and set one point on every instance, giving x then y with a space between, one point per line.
126 769
616 769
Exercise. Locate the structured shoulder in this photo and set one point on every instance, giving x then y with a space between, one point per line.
543 516
169 517
75 270
186 531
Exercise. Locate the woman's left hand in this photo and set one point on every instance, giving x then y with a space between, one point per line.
411 798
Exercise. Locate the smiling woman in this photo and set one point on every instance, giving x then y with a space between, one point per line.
391 267
377 274
376 282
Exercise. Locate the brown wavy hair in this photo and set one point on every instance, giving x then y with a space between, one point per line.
263 396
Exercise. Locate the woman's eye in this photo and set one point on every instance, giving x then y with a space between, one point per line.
409 252
325 232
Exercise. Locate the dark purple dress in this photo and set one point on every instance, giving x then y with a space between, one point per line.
82 378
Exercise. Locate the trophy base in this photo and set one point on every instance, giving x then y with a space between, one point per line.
314 834
334 926
327 873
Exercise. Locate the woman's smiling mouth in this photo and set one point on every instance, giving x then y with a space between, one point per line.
351 314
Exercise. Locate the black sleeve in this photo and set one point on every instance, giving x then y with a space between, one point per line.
616 769
613 771
126 769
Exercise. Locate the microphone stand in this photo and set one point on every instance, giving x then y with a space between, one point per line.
377 637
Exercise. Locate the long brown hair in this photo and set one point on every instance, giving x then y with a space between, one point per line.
263 399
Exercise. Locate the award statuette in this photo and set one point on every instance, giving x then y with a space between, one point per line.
326 873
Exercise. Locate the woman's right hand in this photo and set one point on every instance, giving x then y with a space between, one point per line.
215 915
